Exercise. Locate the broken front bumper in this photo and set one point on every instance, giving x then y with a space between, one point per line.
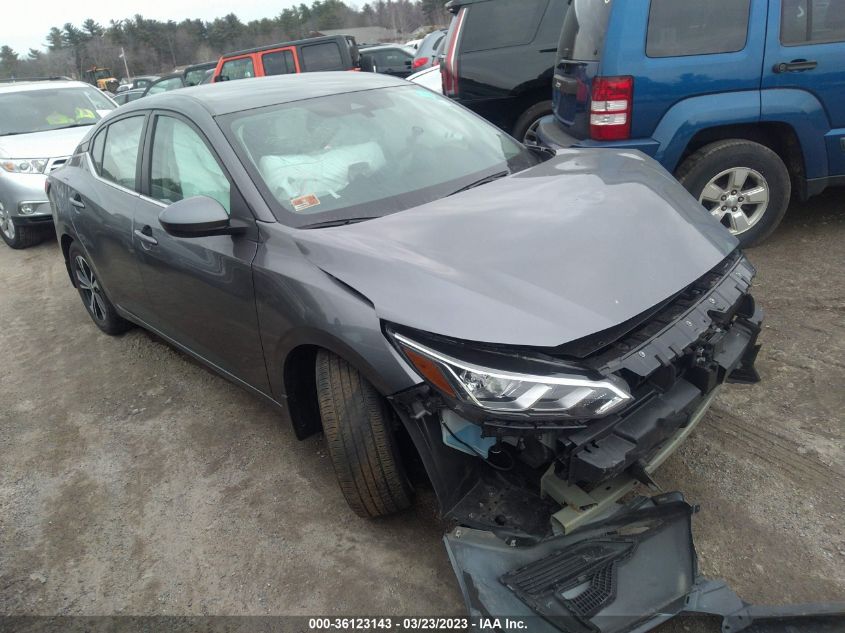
674 359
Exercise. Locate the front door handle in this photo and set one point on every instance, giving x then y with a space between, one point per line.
76 201
795 66
145 235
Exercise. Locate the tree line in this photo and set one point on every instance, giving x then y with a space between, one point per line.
154 47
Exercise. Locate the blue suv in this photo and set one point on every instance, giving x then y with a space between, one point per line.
743 100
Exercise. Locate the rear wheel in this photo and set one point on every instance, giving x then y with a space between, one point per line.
743 184
357 425
99 308
526 126
18 236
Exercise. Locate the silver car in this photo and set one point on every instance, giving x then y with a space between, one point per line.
41 122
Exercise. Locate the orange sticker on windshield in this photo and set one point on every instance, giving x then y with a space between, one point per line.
305 202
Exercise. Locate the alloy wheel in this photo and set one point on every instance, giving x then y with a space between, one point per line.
6 223
531 137
737 197
90 289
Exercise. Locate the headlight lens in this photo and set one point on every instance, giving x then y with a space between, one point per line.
558 395
24 165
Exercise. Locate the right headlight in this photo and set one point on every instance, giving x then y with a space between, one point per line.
494 390
24 165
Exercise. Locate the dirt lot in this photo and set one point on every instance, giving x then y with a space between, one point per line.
135 482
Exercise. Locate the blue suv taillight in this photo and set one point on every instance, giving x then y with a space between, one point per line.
610 109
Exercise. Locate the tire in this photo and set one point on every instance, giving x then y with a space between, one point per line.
20 236
356 424
93 295
717 170
524 129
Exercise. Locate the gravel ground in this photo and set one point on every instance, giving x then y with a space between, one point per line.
134 481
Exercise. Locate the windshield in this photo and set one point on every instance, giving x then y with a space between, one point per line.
584 29
369 153
50 109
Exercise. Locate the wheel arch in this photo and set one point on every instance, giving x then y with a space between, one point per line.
779 137
65 243
298 366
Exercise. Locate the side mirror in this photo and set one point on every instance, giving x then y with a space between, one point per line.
199 216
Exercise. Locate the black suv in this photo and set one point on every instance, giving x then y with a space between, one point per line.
500 57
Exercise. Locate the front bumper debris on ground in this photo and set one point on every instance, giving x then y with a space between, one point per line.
628 572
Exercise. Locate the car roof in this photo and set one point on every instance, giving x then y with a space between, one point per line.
246 94
379 47
201 66
20 86
309 40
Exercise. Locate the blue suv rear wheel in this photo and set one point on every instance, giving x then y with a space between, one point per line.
743 184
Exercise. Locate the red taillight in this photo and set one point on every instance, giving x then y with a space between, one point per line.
611 107
420 61
449 67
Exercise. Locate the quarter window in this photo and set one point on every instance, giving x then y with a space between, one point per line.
812 21
278 63
120 151
237 69
503 23
324 56
97 151
677 28
182 165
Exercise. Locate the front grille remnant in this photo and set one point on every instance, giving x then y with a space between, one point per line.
582 578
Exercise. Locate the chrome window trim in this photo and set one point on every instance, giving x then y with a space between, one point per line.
93 170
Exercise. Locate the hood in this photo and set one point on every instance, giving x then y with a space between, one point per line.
576 245
48 144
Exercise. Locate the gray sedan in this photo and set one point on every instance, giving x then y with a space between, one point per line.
540 330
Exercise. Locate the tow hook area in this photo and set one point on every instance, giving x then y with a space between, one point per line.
630 571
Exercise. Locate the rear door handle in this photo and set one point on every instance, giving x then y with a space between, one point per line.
76 201
145 235
795 66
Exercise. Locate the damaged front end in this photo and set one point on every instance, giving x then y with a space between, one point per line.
530 442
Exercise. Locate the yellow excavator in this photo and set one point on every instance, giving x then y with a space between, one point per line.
100 77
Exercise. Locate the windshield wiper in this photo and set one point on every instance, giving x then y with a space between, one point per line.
482 181
330 223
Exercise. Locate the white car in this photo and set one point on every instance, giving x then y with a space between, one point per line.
41 123
428 78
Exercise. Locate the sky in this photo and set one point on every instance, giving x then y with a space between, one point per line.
25 25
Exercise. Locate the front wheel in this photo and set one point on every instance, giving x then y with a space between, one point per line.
357 427
743 184
18 236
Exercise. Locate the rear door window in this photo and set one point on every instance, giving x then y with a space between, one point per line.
120 152
278 63
501 23
812 22
240 68
678 28
584 30
324 56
